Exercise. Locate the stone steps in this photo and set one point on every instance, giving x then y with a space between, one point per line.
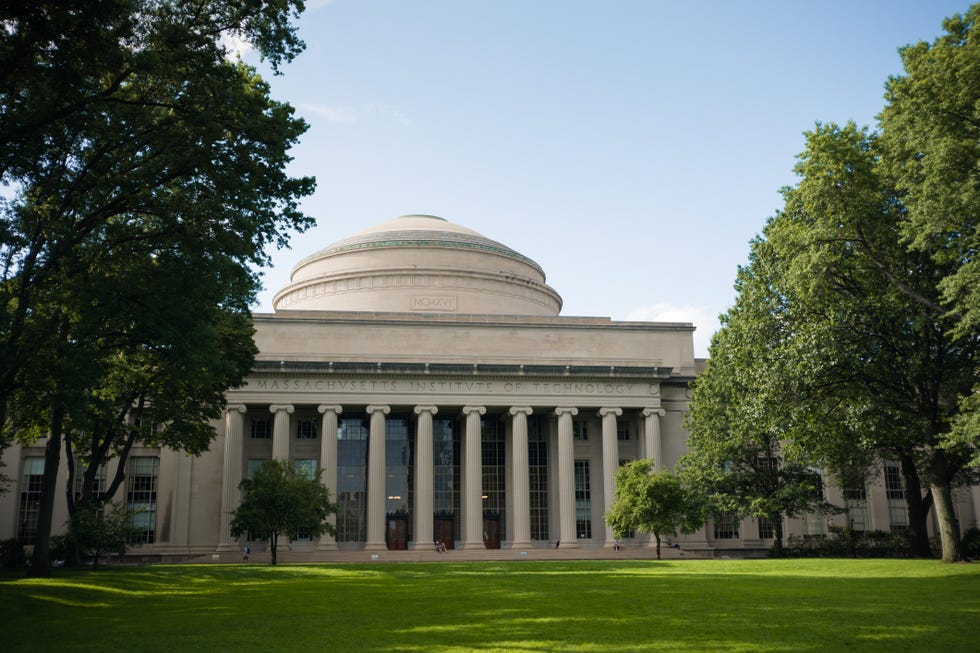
457 555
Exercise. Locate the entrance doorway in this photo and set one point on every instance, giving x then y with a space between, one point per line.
491 530
444 527
396 532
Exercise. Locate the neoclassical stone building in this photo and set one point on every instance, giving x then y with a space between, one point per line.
427 370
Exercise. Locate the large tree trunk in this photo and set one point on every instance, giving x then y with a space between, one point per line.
41 560
272 546
777 534
918 509
658 545
949 526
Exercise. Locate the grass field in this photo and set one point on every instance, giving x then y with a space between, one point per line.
608 606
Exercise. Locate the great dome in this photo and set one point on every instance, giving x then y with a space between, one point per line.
419 263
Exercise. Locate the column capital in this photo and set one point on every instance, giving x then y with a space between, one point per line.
647 412
384 410
241 408
325 408
432 410
610 411
527 410
561 410
275 408
481 410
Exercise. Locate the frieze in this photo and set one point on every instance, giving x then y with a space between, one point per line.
451 386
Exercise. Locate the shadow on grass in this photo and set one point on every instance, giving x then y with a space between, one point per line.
515 606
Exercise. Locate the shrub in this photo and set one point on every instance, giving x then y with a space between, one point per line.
12 553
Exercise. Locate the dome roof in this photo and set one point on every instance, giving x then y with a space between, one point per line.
419 263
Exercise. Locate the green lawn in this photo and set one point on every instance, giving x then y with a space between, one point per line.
610 606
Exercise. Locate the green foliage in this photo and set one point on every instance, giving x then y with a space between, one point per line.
12 553
147 177
94 531
845 543
279 500
652 502
852 338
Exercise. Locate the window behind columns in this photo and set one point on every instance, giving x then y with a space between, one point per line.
537 458
399 459
583 500
445 472
493 468
352 441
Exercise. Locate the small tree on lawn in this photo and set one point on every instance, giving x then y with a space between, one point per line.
656 503
280 500
100 529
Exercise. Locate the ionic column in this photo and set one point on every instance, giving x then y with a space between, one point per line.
610 463
232 473
473 498
520 475
377 490
651 436
280 431
328 463
566 478
423 512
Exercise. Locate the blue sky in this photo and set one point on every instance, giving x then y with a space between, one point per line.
632 149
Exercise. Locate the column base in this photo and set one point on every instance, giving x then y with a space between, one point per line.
375 546
226 547
520 545
469 546
326 546
569 545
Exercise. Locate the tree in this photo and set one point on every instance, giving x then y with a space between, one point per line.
656 503
97 531
865 320
741 408
133 146
279 500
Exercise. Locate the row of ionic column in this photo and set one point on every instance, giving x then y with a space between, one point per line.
472 526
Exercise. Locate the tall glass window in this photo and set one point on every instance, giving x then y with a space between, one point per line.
30 498
856 499
583 500
726 526
399 459
494 494
898 512
141 498
445 472
537 457
352 441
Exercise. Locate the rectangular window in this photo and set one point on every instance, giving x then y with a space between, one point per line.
765 528
580 430
622 430
306 429
726 526
141 498
253 465
537 456
894 484
583 500
898 514
305 467
352 452
98 482
261 429
856 500
30 498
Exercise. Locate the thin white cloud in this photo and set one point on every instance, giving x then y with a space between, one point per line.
706 324
350 114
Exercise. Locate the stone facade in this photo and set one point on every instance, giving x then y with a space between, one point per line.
426 370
